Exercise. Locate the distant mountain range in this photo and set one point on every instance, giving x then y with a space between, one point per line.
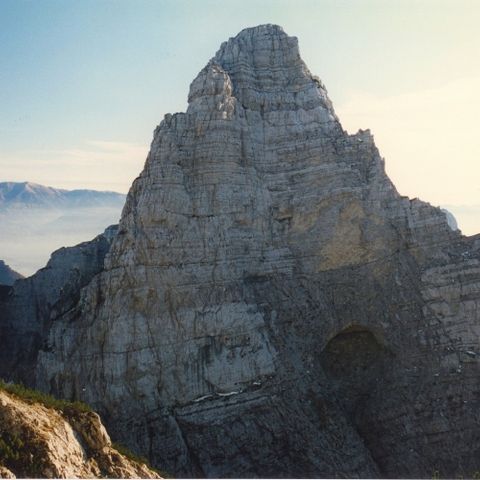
13 194
35 220
7 275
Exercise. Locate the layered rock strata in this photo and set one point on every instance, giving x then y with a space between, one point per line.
270 305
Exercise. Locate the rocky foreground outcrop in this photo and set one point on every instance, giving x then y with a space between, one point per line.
41 442
270 305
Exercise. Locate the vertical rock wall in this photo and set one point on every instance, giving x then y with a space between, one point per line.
261 248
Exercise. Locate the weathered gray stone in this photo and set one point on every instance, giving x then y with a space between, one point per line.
28 309
7 275
271 306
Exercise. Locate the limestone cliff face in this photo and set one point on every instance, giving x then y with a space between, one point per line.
41 442
28 309
271 306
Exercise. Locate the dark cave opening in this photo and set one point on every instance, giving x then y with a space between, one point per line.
354 361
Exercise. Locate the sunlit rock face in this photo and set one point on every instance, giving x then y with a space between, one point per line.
271 306
40 441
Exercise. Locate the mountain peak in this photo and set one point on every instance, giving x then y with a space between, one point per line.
261 47
266 29
7 275
33 194
269 294
261 70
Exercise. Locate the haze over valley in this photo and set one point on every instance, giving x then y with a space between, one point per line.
36 220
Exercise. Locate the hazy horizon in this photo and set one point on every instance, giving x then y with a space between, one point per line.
45 230
84 84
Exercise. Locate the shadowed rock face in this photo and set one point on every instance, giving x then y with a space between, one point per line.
28 309
7 275
271 306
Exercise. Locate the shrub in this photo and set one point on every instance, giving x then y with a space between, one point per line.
10 447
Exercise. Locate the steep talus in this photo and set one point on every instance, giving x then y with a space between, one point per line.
271 306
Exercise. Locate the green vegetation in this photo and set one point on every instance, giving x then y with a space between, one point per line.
137 458
34 396
21 453
10 447
129 454
23 457
13 449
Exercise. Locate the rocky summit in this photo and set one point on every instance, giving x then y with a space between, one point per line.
269 306
7 275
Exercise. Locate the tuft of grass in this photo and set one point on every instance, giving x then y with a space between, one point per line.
129 454
137 458
34 396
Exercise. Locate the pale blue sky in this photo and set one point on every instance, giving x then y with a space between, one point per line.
84 83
